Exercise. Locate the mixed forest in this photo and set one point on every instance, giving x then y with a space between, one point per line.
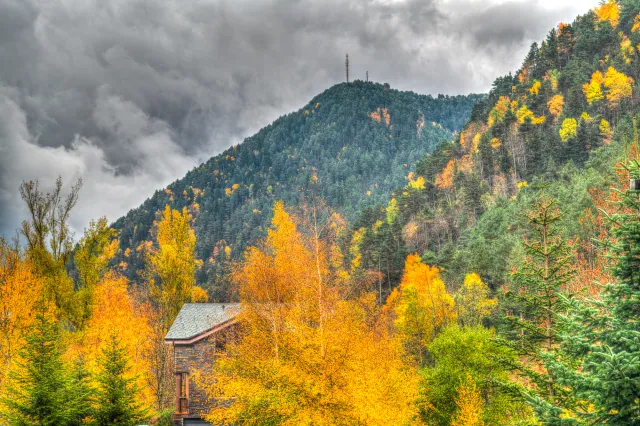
398 262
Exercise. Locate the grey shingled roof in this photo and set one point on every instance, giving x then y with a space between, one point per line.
197 318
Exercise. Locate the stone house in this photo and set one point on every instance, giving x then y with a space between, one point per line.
198 336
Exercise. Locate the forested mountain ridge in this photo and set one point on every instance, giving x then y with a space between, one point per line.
561 122
351 146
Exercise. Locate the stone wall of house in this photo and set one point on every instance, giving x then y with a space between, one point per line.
200 356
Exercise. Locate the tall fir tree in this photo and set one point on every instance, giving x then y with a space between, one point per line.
535 301
602 335
116 400
41 392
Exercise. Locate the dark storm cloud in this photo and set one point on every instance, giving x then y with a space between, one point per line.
131 94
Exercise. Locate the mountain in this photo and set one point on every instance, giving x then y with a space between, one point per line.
351 146
557 127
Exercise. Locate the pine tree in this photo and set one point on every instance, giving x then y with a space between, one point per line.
603 336
40 387
533 325
116 400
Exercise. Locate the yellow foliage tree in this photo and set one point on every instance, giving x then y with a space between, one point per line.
473 301
172 265
422 306
535 89
555 104
593 89
609 12
308 353
619 86
636 24
499 111
115 311
569 129
199 295
470 405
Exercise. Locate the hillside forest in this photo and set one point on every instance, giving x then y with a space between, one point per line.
397 263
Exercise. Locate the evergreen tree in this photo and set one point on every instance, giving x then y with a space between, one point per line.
535 301
80 392
116 400
40 387
603 336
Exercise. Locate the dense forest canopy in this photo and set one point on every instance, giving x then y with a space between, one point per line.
349 146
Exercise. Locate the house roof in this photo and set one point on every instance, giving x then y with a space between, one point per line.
195 319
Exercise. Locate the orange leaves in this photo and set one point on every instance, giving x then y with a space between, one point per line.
380 114
444 179
20 290
555 104
609 12
199 295
311 353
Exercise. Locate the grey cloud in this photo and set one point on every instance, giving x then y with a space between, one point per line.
129 94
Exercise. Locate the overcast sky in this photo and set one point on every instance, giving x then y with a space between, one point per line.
131 94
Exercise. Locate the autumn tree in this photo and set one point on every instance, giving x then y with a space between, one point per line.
172 265
310 352
49 239
91 260
422 306
470 405
473 301
20 289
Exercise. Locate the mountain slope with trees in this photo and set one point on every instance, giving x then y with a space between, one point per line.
350 146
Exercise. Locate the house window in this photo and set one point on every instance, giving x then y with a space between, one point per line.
182 393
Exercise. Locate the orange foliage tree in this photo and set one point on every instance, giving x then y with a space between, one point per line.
310 353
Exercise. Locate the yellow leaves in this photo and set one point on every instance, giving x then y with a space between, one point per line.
114 311
626 48
552 76
392 211
524 113
522 184
199 295
605 131
476 142
473 301
636 24
381 114
535 89
421 304
593 89
416 182
569 129
230 191
585 117
444 179
173 263
499 111
609 12
354 249
619 86
555 104
470 405
496 143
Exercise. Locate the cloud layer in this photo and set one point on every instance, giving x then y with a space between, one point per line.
130 94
